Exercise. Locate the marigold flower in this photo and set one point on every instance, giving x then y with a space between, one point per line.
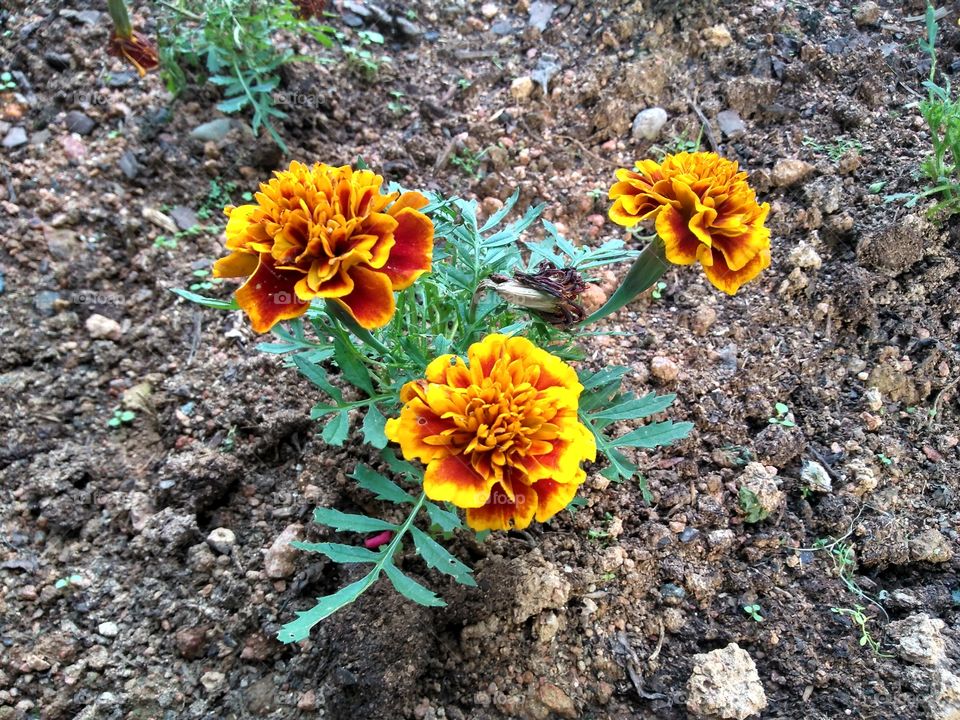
325 232
138 49
704 210
499 434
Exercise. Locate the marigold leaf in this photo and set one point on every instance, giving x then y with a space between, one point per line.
500 214
352 368
654 435
338 552
373 426
299 629
233 104
631 407
447 521
380 486
401 467
205 301
439 558
410 588
317 375
604 377
347 521
336 429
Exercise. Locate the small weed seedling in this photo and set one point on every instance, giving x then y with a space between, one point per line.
782 418
753 511
205 282
754 612
468 161
658 289
68 581
7 82
121 417
834 150
860 619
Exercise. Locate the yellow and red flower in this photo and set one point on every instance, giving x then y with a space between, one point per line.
705 211
499 434
325 232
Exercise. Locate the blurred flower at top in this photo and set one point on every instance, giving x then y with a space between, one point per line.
131 44
307 9
705 211
499 434
325 232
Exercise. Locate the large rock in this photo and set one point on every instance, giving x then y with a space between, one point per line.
945 695
918 639
725 684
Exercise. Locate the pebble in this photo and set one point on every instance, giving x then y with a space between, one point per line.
77 122
73 147
190 642
805 256
522 88
731 124
556 700
280 559
16 137
664 369
789 171
540 14
307 701
46 301
919 639
725 684
489 10
128 165
108 629
930 546
213 130
762 481
648 124
103 328
222 540
873 399
593 298
717 36
213 681
703 319
815 477
866 14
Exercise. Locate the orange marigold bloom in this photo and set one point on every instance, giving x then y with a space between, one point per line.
325 232
499 434
704 210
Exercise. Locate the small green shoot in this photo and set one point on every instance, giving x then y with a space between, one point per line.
657 292
121 417
783 416
68 581
753 511
6 81
754 612
860 619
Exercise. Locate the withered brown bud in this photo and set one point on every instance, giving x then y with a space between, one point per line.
551 292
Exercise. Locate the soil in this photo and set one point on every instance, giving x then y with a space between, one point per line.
599 613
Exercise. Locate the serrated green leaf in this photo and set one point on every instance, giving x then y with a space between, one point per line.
410 588
338 552
373 428
634 408
341 521
604 377
654 435
336 430
447 521
398 466
326 606
353 369
317 375
233 104
439 558
205 301
383 488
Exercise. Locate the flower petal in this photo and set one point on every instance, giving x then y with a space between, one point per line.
681 244
371 301
453 479
500 512
412 252
728 280
416 423
268 296
552 497
236 264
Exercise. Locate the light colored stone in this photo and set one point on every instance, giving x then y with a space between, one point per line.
805 256
593 298
540 586
725 684
873 399
815 477
213 681
556 700
717 36
944 695
15 137
664 369
703 319
930 546
522 88
731 124
108 629
789 171
648 123
103 328
866 14
222 540
489 10
762 481
280 559
863 475
919 640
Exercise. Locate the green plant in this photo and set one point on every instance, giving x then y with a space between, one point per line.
203 283
678 144
68 581
468 161
360 58
753 511
396 106
754 612
657 292
234 44
860 619
783 416
121 417
834 150
6 81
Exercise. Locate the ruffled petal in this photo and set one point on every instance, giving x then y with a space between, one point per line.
552 497
371 301
236 264
268 296
412 252
453 479
503 512
681 244
728 280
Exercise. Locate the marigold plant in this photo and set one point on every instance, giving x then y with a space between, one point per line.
464 334
499 434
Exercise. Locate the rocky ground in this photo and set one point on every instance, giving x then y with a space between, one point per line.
141 574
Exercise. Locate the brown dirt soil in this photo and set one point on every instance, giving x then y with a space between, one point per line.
597 614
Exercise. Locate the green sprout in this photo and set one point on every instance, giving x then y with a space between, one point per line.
121 417
754 612
782 416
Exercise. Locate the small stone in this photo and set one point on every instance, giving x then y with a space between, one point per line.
77 122
664 369
725 684
57 61
103 328
491 205
213 681
930 546
717 36
871 422
46 302
280 559
222 540
256 648
61 243
866 14
805 256
556 700
731 125
213 130
15 137
648 124
761 480
919 640
307 701
720 539
73 147
864 477
593 298
521 88
944 695
873 399
34 663
703 319
789 171
108 629
190 642
540 14
489 10
128 164
815 477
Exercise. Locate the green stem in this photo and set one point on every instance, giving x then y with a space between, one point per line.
646 270
121 18
179 10
400 532
361 333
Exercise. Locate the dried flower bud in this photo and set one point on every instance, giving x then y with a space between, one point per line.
551 292
140 50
